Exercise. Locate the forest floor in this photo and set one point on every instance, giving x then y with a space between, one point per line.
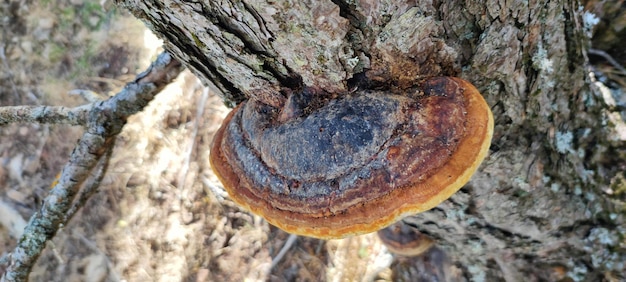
161 214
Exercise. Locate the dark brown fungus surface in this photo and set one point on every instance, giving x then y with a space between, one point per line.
331 168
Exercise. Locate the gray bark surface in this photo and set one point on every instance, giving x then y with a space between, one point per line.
540 206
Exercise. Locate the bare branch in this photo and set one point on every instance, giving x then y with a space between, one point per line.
105 121
91 186
44 114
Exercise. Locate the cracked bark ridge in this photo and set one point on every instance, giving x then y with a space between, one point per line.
256 49
233 49
353 164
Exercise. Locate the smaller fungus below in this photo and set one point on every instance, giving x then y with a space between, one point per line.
401 239
331 167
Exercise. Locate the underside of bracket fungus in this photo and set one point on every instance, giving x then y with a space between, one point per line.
330 167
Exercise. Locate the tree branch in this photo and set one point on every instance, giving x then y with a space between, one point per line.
44 114
105 122
90 187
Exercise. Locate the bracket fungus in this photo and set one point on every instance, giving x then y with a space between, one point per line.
401 239
331 167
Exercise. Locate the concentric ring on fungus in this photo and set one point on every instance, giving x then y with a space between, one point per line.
333 168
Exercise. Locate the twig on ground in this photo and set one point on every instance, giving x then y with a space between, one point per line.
105 121
11 220
194 133
609 59
290 241
182 175
114 82
88 95
7 68
218 191
55 253
113 274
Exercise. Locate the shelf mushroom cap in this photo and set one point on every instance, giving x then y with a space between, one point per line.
332 168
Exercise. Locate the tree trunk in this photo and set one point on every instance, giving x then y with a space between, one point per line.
541 205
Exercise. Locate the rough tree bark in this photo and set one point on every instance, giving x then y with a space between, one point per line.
540 206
